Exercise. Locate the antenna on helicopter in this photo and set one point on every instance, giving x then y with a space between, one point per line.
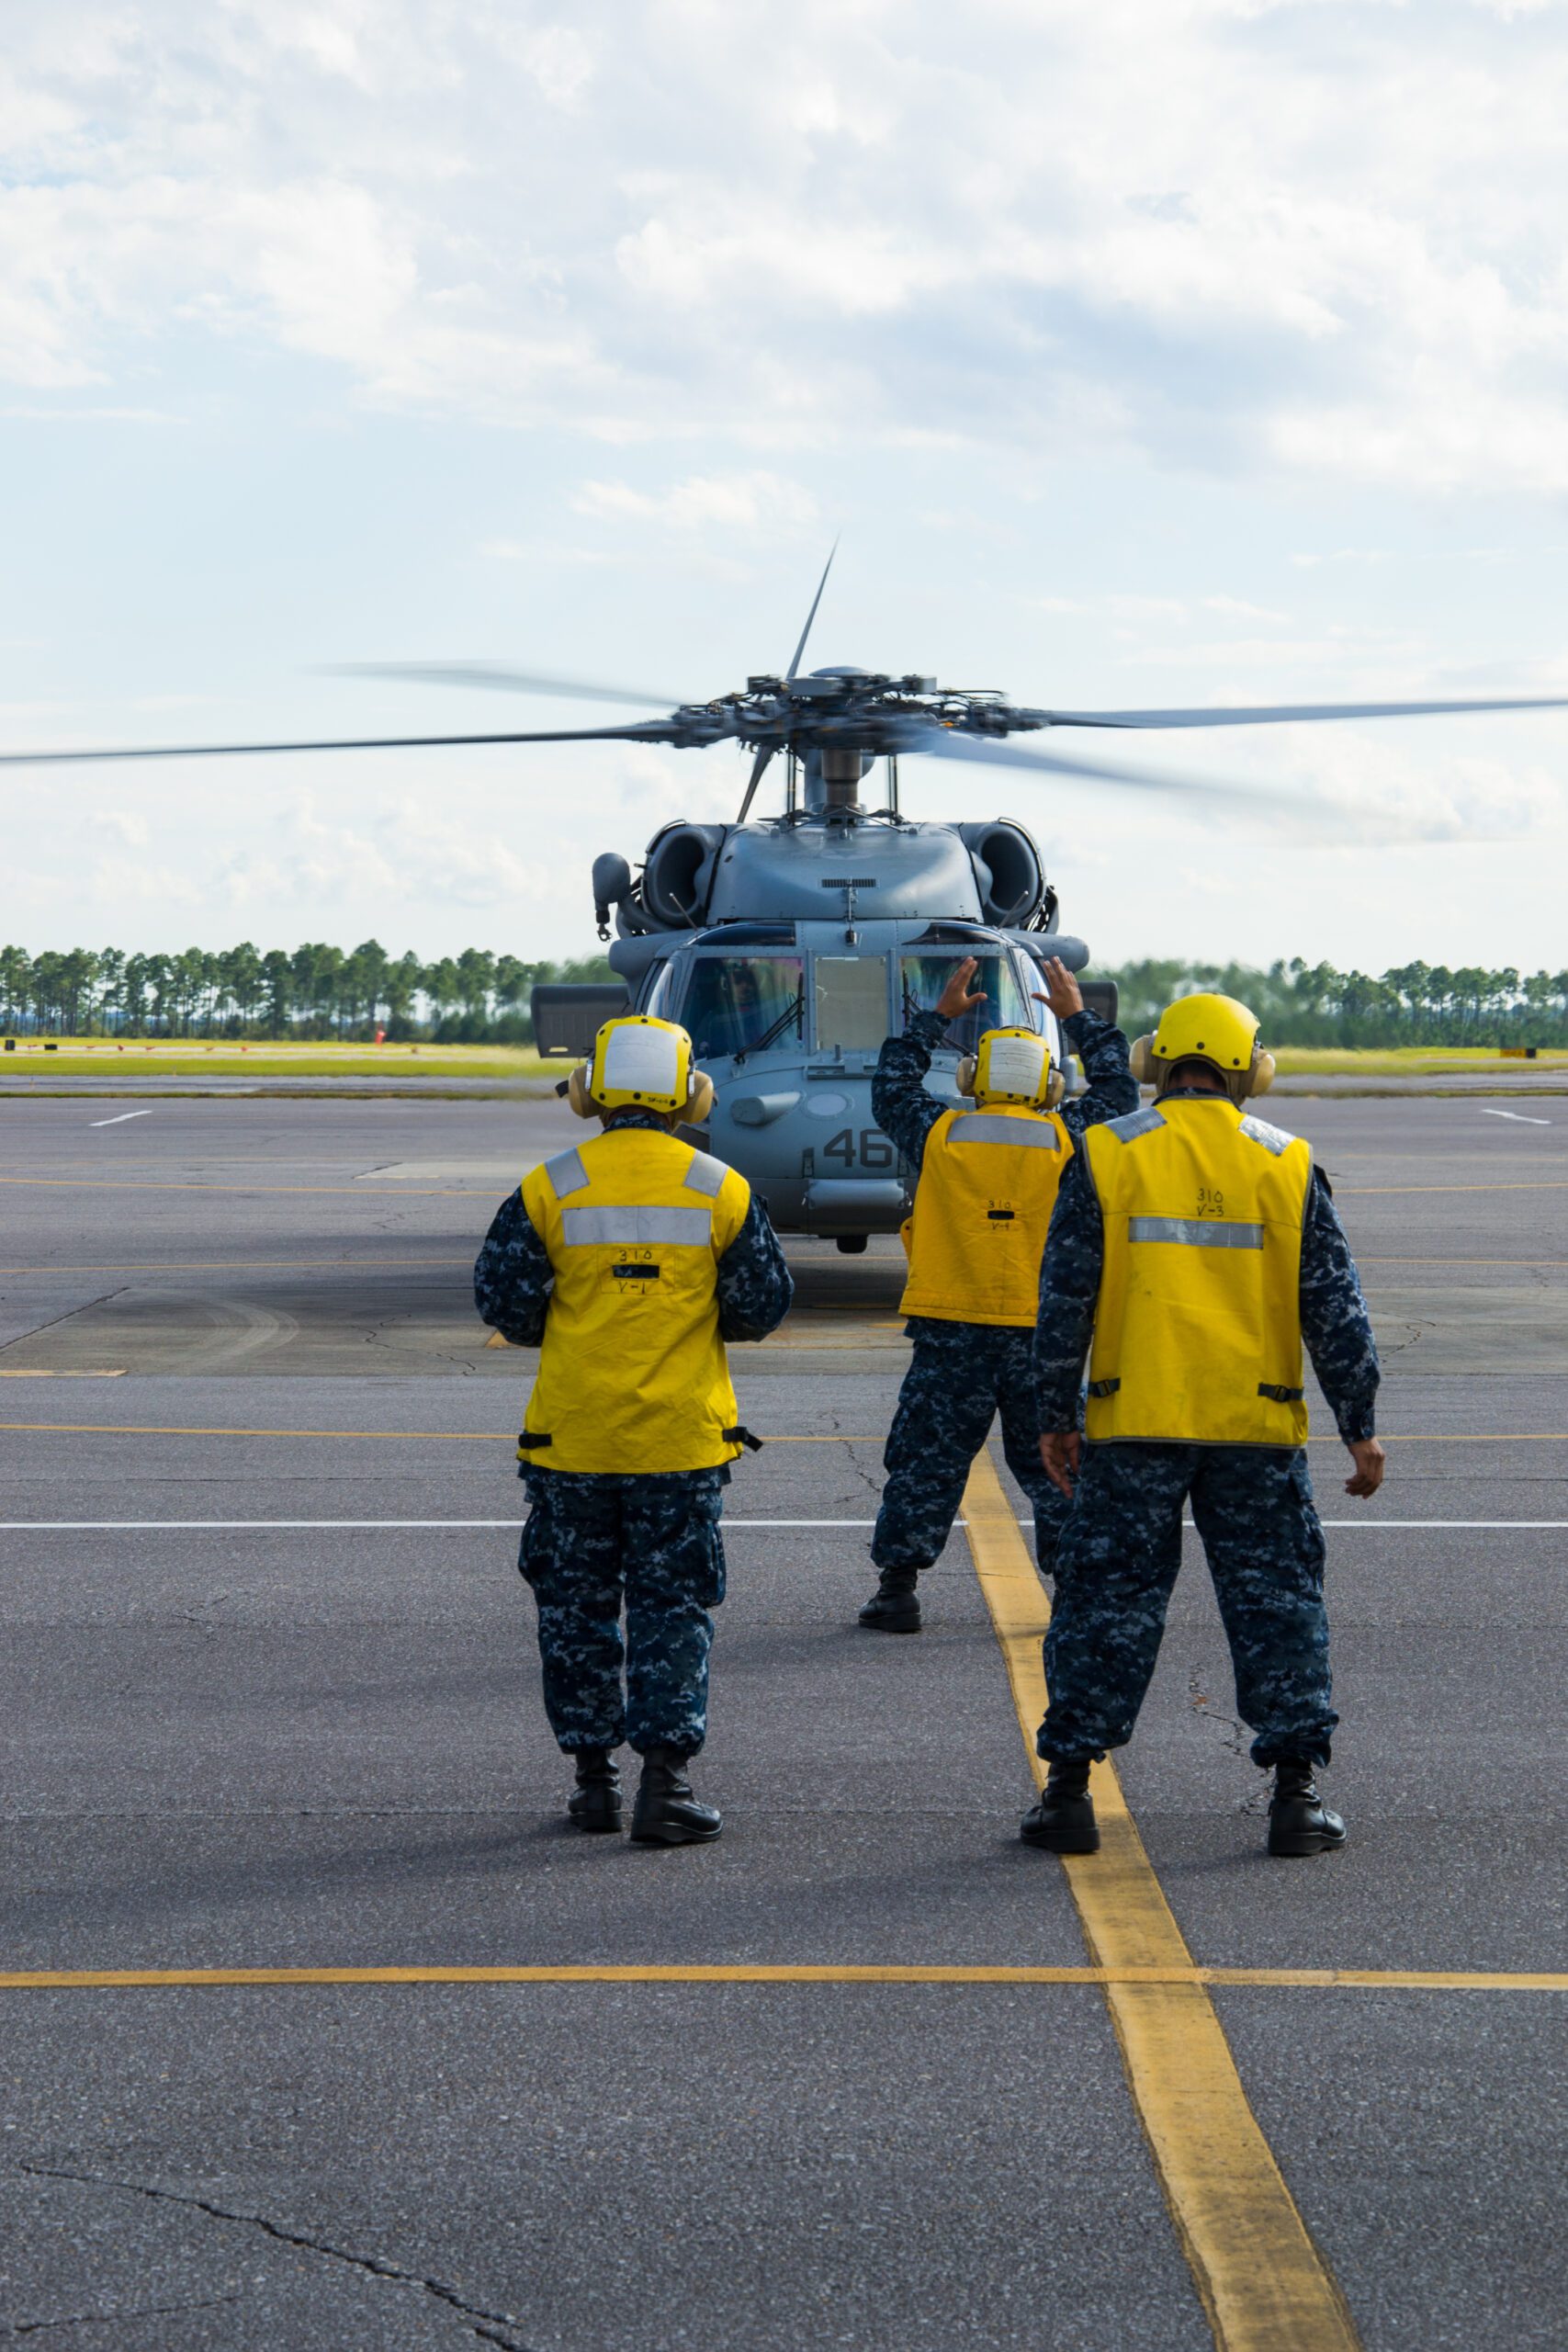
765 751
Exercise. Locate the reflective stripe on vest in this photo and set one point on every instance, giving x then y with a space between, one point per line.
636 1222
566 1174
990 1126
705 1175
1134 1124
1195 1233
632 1373
988 1182
1197 1334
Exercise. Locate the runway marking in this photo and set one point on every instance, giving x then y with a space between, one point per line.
1373 1980
1363 1191
284 1266
445 1436
1522 1116
247 1526
120 1120
16 1372
1262 2282
832 1437
351 1191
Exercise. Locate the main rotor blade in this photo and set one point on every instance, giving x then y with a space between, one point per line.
1289 713
952 743
497 677
758 765
811 615
656 731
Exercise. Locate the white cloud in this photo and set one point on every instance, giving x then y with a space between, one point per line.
568 337
753 502
1213 228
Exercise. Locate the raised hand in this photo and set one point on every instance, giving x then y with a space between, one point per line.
957 998
1063 993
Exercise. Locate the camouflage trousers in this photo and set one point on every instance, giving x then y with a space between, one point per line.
650 1544
962 1375
1118 1561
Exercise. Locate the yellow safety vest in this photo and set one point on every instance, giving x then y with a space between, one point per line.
1198 1329
633 1374
988 1185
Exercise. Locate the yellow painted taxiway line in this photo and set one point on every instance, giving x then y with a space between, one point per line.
149 1266
349 1191
1366 1192
444 1437
1361 1260
57 1980
1263 2283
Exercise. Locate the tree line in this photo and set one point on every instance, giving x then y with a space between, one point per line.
313 991
1412 1004
319 991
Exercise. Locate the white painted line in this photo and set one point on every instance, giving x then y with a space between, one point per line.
1522 1116
1373 1526
260 1526
118 1121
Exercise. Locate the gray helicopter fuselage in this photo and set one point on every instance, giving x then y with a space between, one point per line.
807 941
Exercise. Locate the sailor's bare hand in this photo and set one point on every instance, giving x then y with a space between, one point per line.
1063 993
1059 1453
1368 1457
957 998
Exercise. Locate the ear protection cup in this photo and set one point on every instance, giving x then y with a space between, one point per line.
964 1077
1140 1058
699 1102
576 1094
1055 1087
1262 1074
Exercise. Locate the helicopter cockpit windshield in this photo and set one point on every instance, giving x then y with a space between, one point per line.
1006 1007
735 1004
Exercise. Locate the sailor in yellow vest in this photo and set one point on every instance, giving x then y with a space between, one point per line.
987 1178
632 1259
1199 1246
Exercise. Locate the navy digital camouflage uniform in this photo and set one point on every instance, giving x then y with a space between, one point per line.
962 1375
647 1541
1252 1506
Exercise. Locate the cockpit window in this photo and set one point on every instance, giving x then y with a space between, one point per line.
734 1003
1006 1006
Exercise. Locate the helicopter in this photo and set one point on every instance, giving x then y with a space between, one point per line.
790 946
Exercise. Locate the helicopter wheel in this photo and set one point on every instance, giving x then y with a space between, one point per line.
851 1244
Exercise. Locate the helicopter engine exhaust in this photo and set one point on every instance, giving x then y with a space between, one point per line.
678 875
1007 869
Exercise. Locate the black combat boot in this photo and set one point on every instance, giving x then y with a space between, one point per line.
893 1608
1298 1821
1062 1819
596 1802
666 1813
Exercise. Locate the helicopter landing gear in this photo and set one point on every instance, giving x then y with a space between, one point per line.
851 1244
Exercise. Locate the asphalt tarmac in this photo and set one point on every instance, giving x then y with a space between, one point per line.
271 1702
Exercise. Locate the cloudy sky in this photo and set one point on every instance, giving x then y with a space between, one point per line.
1143 352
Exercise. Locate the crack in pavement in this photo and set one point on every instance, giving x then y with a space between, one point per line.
1235 1735
486 2325
108 2319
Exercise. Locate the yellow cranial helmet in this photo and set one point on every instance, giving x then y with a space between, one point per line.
641 1063
1206 1028
1011 1066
